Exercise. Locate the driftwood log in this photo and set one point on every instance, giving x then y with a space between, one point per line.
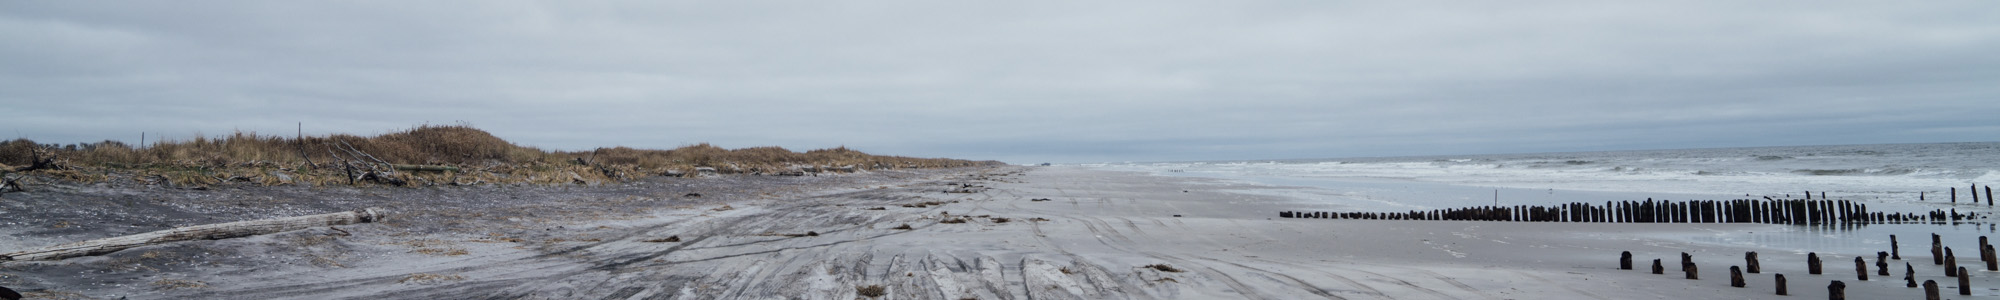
198 232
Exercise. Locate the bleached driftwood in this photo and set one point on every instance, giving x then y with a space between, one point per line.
198 232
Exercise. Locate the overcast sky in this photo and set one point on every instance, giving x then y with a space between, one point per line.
1018 81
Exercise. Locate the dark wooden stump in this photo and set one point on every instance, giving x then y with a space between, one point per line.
1836 290
1735 276
1910 275
1937 250
1930 290
1625 260
1950 263
1781 285
1992 259
1750 263
1812 263
1882 263
1693 272
1860 269
1657 269
1964 282
9 294
1895 251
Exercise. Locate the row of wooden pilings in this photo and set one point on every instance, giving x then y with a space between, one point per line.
1773 211
1837 290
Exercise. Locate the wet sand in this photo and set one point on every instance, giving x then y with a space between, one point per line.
1094 238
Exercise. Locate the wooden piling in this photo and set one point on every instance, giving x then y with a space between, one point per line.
1964 282
1882 264
1693 273
1954 195
1895 250
1812 263
1836 290
1657 269
1625 260
1909 275
1781 285
1750 262
1930 290
1735 276
1937 249
1992 259
1860 269
1950 263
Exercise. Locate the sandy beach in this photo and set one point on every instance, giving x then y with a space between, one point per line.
973 233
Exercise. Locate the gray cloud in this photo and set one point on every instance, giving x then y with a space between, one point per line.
1018 81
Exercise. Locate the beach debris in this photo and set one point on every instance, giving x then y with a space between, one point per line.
692 195
1625 260
1781 285
1750 262
1001 220
1836 290
905 226
870 291
1038 199
197 232
1657 269
876 208
953 221
1164 268
725 207
1177 216
1860 268
670 239
1812 263
1930 290
1735 276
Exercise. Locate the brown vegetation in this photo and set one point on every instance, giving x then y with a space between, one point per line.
870 291
424 155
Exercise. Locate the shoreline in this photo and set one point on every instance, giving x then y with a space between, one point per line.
1101 234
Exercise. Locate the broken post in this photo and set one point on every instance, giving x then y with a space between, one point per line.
1992 259
1781 285
1895 251
1625 260
1937 250
1860 269
1657 269
1910 275
1836 291
1735 276
1750 262
1692 271
1950 263
1812 263
1930 290
1882 264
1964 282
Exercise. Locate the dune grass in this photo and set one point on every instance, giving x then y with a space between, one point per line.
455 154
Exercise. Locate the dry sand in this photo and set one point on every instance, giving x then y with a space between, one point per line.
1093 239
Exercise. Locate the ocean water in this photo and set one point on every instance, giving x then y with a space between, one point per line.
1888 177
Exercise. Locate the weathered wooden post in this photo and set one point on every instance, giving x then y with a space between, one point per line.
1693 273
1992 259
1750 262
1950 263
1625 260
1882 264
1657 269
1895 251
1937 250
1964 282
1930 290
1812 263
1954 195
1781 285
1909 275
1686 260
1735 276
1860 269
1836 291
